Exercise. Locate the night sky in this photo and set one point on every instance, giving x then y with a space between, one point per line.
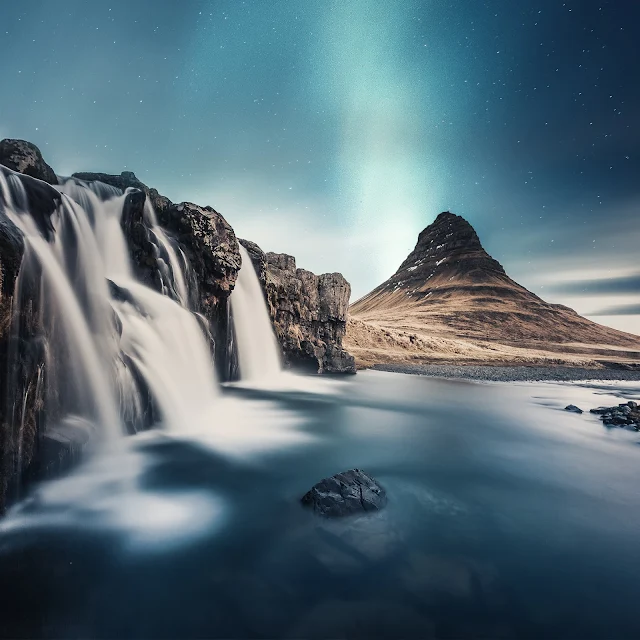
336 131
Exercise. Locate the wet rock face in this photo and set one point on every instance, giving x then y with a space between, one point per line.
207 239
347 493
209 244
309 314
24 157
22 386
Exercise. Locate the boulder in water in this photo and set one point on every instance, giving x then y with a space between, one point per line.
347 493
573 409
626 415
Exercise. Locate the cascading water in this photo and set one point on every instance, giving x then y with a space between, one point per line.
258 351
119 354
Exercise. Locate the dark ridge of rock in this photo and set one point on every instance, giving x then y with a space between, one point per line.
136 232
207 239
212 249
211 246
23 381
449 244
347 493
24 157
309 314
208 242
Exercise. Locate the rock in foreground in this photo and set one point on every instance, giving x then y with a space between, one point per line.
622 415
347 493
573 409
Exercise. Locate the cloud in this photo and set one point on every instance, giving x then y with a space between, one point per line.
618 310
615 285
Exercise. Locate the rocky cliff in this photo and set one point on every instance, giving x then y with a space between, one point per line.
22 349
451 301
207 240
309 311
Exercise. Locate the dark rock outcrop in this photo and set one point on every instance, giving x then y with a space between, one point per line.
309 314
22 352
211 247
24 157
208 242
207 239
573 409
346 493
626 415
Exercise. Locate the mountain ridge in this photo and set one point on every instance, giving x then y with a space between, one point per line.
449 288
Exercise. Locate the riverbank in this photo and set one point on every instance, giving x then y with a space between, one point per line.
488 373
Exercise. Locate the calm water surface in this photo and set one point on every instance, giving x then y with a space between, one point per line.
507 517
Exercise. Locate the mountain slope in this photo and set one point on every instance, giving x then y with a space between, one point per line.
450 300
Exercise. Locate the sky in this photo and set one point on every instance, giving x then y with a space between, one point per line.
336 131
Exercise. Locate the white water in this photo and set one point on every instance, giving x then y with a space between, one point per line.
258 352
99 369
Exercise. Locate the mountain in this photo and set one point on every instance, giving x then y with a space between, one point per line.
451 301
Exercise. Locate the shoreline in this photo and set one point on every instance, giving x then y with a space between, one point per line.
511 373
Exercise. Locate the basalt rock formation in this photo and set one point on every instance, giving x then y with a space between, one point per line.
22 351
207 240
309 312
25 158
451 301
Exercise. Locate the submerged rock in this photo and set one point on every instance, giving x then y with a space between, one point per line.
573 408
346 493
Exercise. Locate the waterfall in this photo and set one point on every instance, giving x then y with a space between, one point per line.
119 354
258 351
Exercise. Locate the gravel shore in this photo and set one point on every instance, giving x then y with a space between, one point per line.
510 374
